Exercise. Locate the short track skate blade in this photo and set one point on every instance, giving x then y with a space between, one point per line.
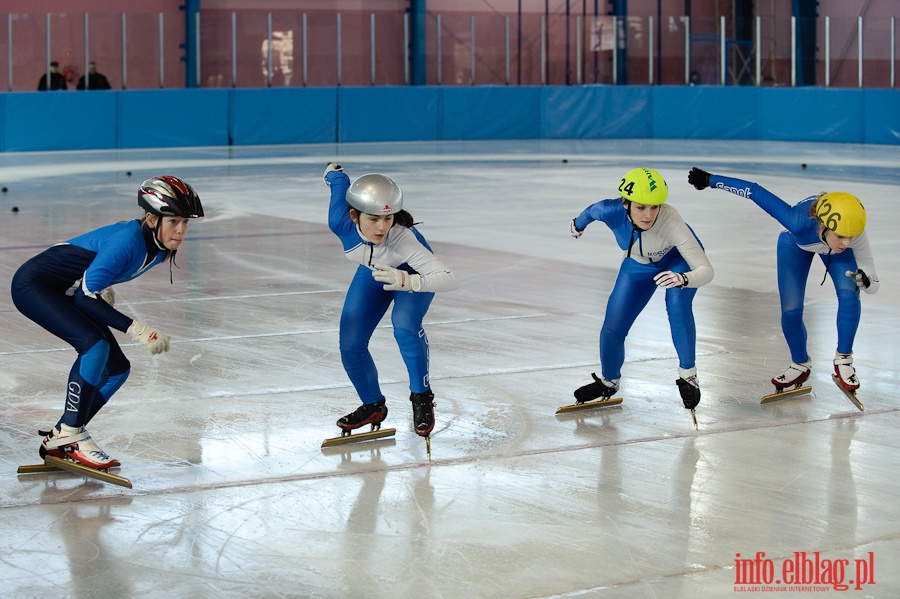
589 405
39 468
36 468
90 472
357 437
851 395
783 394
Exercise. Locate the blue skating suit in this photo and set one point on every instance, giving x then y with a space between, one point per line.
59 290
367 301
797 245
668 245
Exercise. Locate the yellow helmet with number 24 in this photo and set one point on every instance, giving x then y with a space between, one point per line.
644 186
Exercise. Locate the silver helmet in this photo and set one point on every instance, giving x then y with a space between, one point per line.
375 194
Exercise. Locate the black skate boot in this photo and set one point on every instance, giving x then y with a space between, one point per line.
423 412
368 413
690 391
599 388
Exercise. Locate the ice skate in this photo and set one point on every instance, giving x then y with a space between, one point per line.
423 416
72 449
372 414
75 444
689 388
602 389
794 377
845 378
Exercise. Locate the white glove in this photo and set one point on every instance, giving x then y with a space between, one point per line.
669 279
396 280
109 296
573 231
860 278
328 169
155 341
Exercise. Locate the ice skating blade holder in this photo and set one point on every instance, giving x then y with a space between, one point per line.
589 405
53 464
778 395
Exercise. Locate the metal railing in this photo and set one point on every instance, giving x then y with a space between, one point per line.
260 49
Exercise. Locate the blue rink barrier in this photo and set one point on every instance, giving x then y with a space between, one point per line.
70 120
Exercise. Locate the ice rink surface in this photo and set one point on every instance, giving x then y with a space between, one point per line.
234 497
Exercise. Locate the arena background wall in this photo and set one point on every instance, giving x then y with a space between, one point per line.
35 121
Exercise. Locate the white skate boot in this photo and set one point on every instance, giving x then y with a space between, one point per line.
795 375
75 443
845 372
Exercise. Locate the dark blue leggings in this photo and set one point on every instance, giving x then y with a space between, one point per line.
633 289
366 303
793 270
100 368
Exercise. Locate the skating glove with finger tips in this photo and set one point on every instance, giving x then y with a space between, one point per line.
331 168
396 280
155 341
573 230
699 178
668 279
860 278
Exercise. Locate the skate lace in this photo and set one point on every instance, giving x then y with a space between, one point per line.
88 445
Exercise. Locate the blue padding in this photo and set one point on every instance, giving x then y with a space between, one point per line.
811 114
71 120
283 116
491 112
705 112
882 116
596 111
388 114
166 118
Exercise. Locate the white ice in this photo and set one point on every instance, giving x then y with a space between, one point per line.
234 497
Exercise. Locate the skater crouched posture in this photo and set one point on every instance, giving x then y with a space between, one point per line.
660 251
831 225
67 290
396 265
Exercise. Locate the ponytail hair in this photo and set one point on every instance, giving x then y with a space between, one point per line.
404 219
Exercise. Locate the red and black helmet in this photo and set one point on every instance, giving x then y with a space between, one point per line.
169 196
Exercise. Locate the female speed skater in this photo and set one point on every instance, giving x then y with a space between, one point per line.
660 251
396 265
831 225
67 289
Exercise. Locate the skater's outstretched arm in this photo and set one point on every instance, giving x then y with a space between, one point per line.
774 206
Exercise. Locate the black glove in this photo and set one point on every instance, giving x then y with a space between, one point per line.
860 278
699 178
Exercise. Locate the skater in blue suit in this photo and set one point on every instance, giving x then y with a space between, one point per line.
396 265
67 290
831 225
660 251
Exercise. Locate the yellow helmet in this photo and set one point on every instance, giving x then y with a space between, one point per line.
841 212
644 186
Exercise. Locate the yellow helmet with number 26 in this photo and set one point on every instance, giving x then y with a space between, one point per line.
644 186
841 212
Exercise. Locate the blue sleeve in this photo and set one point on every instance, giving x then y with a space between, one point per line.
607 211
790 217
338 217
117 258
